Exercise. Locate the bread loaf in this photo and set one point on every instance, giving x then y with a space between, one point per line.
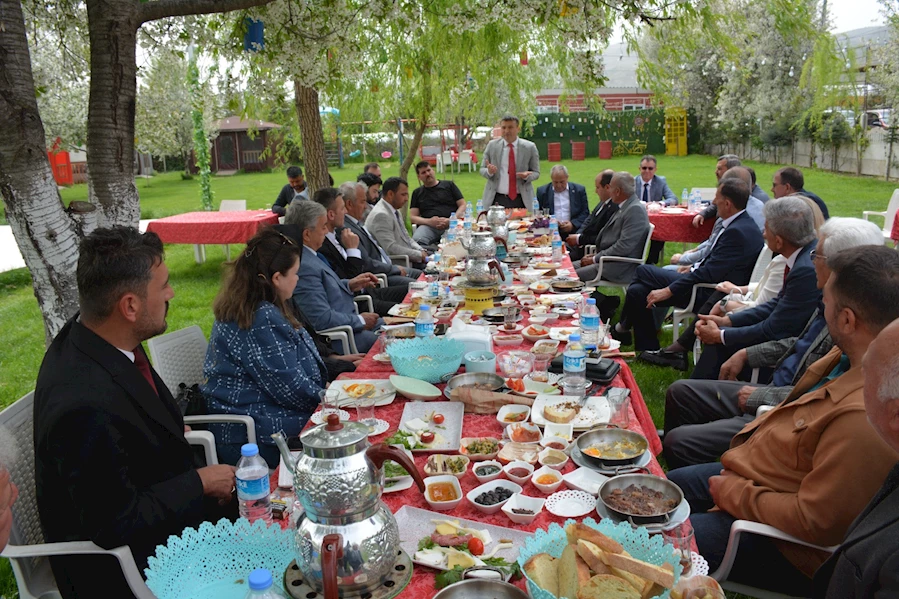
573 573
605 586
588 533
541 569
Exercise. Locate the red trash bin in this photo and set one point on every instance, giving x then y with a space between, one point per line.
578 150
555 151
605 150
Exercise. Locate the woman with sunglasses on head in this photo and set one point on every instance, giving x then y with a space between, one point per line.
261 361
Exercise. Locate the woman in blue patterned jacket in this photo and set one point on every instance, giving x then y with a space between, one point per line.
261 361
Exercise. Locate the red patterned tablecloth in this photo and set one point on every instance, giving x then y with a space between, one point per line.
212 227
679 227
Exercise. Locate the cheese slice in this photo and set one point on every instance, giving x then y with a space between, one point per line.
416 425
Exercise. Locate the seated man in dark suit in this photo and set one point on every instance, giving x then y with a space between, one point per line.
653 188
624 236
373 255
757 191
789 181
589 231
866 564
111 462
789 231
733 256
296 188
566 201
344 255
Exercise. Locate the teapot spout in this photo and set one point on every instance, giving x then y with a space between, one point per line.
281 442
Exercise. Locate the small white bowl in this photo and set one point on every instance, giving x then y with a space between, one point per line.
489 477
547 489
552 454
585 479
477 491
558 429
510 409
443 505
521 480
519 501
545 441
527 300
511 338
564 312
532 428
440 458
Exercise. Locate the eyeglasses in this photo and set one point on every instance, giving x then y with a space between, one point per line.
647 168
285 240
814 255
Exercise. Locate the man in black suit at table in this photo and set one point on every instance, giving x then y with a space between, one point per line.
589 231
733 255
564 200
111 461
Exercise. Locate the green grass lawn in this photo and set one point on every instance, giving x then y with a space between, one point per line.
22 336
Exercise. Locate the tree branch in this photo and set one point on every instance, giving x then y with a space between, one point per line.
151 11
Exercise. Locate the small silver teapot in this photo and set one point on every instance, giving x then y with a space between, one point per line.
479 271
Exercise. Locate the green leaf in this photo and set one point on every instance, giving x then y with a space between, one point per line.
444 579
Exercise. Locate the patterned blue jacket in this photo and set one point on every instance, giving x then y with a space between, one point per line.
271 372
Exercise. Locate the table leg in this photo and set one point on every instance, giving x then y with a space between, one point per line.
200 253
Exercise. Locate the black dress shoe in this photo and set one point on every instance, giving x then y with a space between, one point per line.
625 338
662 357
608 306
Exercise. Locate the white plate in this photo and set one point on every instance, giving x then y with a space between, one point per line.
415 523
585 479
700 565
398 484
449 434
525 333
613 345
561 333
397 310
595 411
570 504
384 391
680 515
381 426
318 417
382 357
534 388
414 389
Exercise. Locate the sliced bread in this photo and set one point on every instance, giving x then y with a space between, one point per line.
559 414
573 572
605 586
588 533
541 569
650 572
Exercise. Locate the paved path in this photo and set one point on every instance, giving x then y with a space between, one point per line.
11 257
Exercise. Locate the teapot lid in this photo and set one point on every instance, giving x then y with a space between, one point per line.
334 434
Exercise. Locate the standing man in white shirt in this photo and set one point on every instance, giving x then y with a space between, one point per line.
511 164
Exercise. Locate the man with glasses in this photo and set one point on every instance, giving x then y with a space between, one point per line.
789 181
651 187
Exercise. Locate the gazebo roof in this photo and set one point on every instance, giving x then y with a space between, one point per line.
233 123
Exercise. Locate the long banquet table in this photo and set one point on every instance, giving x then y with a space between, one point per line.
211 228
474 425
678 227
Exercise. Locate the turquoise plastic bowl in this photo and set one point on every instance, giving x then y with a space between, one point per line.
426 358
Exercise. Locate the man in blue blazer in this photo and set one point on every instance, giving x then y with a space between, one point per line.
790 232
733 255
325 298
651 187
566 201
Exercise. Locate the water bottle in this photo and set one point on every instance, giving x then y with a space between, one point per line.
434 286
574 366
424 322
467 212
480 206
453 224
252 485
262 586
535 207
685 197
557 246
697 197
590 325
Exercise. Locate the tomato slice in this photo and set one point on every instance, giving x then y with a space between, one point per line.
475 546
427 437
438 418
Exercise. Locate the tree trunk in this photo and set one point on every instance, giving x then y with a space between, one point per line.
314 159
43 232
113 28
412 148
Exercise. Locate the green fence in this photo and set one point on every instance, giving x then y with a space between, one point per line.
632 132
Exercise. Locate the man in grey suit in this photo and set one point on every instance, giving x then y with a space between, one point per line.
624 236
387 225
374 257
866 564
325 298
511 164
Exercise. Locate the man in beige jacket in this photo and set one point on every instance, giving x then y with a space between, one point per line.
811 465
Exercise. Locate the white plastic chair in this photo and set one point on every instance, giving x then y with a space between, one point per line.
440 167
178 357
706 193
465 158
344 333
27 550
739 528
231 206
598 281
447 157
403 258
888 215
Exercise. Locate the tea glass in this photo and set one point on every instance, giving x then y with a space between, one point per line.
619 406
329 401
541 367
681 538
365 411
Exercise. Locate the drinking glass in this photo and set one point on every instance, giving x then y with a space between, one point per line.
365 411
329 402
682 540
510 316
541 367
619 406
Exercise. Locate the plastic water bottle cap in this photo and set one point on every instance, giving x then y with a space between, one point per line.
248 450
260 579
574 337
424 307
591 301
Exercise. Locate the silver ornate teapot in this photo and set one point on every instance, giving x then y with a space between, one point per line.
346 527
479 272
496 218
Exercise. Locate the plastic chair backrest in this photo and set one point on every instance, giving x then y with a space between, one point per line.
707 193
765 257
464 157
646 244
447 157
178 357
232 205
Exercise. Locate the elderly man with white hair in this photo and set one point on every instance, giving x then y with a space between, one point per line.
702 416
566 201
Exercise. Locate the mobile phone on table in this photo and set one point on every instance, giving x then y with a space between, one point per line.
440 329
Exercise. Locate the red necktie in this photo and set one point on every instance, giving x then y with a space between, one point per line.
140 360
786 272
513 186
